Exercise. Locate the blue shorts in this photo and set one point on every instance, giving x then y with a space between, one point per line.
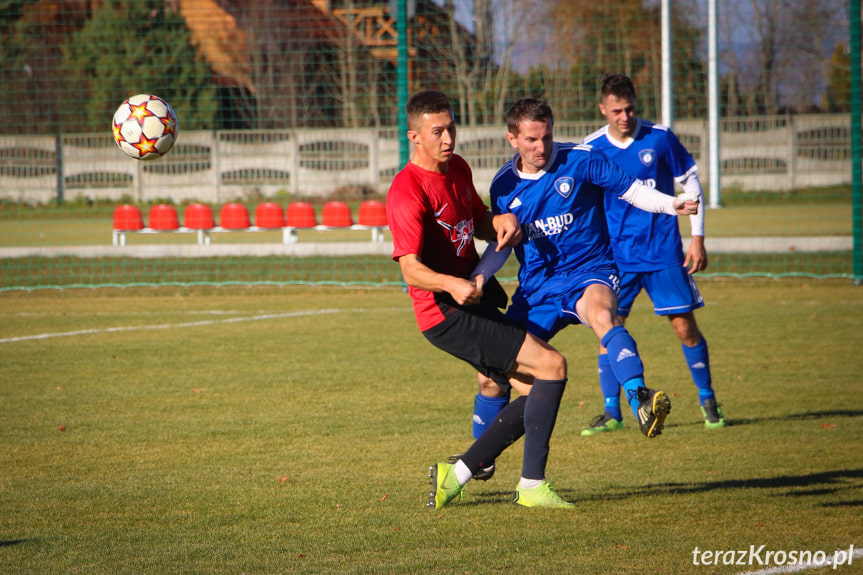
550 315
672 290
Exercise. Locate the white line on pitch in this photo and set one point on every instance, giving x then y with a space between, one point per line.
171 325
781 570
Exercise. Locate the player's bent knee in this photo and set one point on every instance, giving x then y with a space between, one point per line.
540 360
605 319
488 387
686 329
555 368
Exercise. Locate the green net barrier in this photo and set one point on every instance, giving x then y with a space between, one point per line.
296 103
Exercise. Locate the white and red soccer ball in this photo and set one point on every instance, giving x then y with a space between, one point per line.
145 127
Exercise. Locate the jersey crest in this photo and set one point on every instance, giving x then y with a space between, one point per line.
647 156
460 234
564 186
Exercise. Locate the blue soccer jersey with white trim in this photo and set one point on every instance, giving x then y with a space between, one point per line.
644 241
562 216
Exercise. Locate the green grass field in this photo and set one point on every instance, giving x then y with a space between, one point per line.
68 271
289 430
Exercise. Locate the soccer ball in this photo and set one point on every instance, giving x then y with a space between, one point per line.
145 127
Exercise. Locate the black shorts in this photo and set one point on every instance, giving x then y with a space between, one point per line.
480 335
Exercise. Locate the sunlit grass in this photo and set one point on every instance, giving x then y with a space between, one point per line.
289 430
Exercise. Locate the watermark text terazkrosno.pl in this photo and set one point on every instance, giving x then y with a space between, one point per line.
760 555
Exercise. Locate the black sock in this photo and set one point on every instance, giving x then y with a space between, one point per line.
540 414
504 430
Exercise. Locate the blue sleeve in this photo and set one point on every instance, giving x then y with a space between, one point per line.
607 175
677 156
501 187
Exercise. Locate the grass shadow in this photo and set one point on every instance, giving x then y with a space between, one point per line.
822 483
857 503
13 542
730 422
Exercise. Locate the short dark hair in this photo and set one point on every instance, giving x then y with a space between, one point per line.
531 109
617 85
426 102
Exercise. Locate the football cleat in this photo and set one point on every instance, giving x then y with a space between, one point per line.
653 408
540 496
445 485
602 423
713 418
484 474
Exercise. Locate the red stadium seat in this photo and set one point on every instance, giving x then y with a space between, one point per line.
372 213
269 215
234 216
301 215
128 218
337 215
199 217
163 217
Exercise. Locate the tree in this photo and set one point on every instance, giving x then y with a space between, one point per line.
470 57
837 97
303 67
133 47
806 64
31 77
778 52
589 39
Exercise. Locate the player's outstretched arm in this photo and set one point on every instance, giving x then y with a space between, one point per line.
686 204
646 198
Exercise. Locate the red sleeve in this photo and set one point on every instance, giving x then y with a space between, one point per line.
478 207
405 214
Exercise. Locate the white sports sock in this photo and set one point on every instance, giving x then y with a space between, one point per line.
462 473
530 483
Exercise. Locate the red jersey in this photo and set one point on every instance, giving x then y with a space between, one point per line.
434 216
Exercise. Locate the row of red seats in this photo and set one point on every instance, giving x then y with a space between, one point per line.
235 216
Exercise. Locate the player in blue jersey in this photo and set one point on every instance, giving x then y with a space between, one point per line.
647 246
567 273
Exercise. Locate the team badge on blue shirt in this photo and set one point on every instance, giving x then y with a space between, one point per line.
564 186
647 156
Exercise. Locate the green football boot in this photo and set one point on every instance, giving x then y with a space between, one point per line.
445 485
540 496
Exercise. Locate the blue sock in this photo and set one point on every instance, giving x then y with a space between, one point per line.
485 409
698 360
630 388
540 414
610 387
622 354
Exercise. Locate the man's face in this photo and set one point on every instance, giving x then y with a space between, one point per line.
534 143
434 139
620 113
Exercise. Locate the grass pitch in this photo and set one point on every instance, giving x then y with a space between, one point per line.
264 430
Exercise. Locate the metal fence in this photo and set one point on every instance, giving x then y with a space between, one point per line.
301 100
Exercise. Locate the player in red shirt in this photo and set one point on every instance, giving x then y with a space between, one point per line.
434 213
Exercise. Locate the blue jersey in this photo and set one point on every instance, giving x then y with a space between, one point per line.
562 216
644 241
